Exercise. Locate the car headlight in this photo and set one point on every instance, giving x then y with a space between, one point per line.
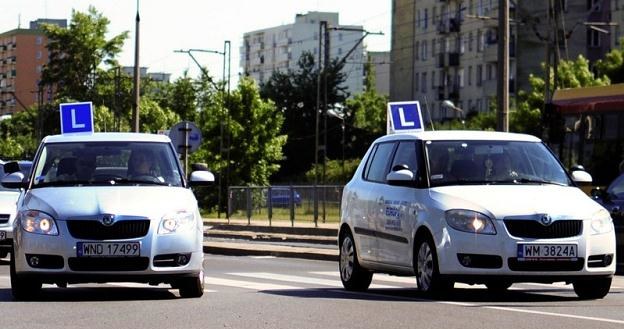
176 222
601 222
470 221
37 222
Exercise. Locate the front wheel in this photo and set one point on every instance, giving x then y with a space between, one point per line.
592 289
22 288
192 287
352 275
428 276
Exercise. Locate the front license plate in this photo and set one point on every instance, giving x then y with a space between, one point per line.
108 249
547 252
3 235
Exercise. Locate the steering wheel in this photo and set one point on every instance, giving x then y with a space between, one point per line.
106 177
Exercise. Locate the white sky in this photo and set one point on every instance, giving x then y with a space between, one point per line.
168 25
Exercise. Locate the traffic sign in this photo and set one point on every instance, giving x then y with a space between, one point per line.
185 135
404 117
76 117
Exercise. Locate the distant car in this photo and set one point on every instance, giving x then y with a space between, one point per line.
280 197
8 204
107 207
613 200
474 207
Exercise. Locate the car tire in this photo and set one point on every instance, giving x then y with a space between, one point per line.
3 253
191 287
428 278
498 286
592 289
22 288
353 276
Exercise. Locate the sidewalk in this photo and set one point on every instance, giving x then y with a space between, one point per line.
281 239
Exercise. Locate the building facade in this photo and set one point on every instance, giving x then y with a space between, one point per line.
279 48
380 61
448 49
23 54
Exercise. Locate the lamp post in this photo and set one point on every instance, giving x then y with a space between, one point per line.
449 104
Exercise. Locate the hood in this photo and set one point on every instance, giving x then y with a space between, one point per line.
518 200
8 201
145 201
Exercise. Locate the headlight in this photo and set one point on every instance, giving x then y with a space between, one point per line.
470 221
38 222
601 222
176 222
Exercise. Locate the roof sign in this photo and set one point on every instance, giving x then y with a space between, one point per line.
76 117
404 117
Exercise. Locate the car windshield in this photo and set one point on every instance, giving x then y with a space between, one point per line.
107 163
616 188
492 162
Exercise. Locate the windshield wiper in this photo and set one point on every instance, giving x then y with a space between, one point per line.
525 180
137 181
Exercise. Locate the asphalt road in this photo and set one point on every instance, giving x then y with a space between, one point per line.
267 292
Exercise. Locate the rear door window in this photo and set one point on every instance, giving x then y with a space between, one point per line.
379 164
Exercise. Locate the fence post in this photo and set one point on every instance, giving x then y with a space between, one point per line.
229 204
291 205
270 204
248 195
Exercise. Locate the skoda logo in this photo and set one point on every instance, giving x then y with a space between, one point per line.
545 220
108 220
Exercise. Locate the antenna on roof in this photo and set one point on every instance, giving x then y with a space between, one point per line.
19 21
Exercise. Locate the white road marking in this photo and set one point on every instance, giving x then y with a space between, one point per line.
248 284
301 279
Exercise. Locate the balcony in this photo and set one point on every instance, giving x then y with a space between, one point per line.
454 25
453 92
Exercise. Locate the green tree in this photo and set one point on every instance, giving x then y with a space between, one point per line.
294 94
77 52
613 64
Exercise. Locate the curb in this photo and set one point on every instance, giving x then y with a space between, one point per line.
242 249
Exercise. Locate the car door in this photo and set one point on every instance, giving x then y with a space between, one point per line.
366 199
398 207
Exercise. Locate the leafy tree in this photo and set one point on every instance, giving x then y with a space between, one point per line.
294 94
613 64
77 52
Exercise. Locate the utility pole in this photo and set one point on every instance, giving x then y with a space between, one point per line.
137 76
322 27
503 66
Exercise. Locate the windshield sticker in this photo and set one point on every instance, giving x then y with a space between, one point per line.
436 177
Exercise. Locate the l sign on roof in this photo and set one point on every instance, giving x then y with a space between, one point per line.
404 117
76 117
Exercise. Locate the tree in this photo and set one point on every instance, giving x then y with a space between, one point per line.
77 52
613 64
294 94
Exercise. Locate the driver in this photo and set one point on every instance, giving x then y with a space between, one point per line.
141 163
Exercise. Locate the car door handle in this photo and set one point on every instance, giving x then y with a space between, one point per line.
380 201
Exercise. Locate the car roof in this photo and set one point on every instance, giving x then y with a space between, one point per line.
107 137
451 135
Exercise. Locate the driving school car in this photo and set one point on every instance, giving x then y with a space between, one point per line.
474 207
84 217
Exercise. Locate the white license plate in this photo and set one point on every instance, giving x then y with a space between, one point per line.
3 235
547 251
108 249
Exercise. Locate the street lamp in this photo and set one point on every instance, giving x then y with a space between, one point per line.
338 112
449 104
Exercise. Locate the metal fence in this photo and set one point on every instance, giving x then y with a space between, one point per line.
291 202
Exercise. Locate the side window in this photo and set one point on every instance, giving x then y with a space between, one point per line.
378 168
406 155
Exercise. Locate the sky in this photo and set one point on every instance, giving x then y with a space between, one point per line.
169 25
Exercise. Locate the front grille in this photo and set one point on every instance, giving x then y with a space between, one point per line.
106 264
4 218
545 265
536 230
94 230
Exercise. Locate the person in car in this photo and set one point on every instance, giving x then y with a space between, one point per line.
141 165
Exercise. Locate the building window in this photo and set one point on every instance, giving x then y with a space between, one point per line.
470 75
424 50
593 38
39 40
479 74
417 50
480 41
433 47
433 80
470 41
434 16
423 84
460 77
418 20
426 17
39 54
416 81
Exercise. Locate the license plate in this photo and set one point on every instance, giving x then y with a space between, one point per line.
547 252
108 249
3 235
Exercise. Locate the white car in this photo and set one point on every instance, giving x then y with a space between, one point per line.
8 204
107 207
474 207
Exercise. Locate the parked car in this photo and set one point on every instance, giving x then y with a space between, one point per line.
280 197
8 204
107 207
613 200
474 207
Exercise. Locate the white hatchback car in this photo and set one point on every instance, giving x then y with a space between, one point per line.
107 207
474 207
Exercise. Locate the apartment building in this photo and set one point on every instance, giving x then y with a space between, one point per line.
23 54
380 61
279 48
448 49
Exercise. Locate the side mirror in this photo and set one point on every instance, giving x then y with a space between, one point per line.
201 178
404 177
11 167
577 167
581 176
14 180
